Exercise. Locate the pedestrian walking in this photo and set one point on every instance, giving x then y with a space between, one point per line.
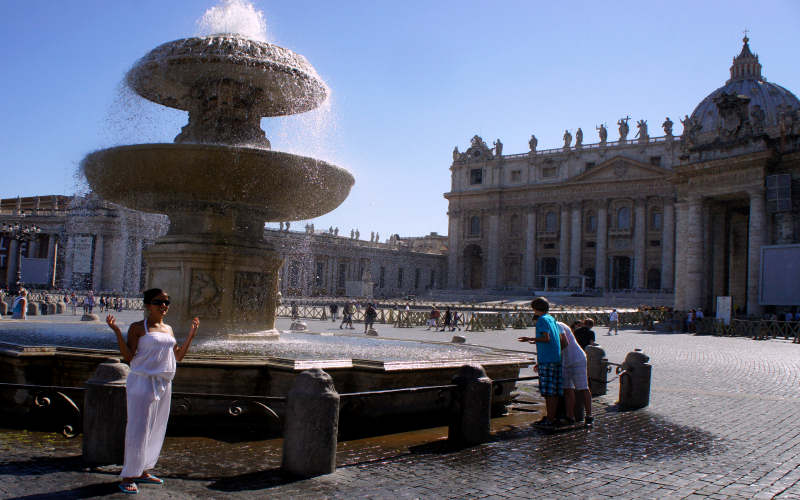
613 322
369 317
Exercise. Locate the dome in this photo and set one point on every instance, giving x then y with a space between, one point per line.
746 105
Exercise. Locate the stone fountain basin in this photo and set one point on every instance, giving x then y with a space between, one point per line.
171 73
356 364
161 177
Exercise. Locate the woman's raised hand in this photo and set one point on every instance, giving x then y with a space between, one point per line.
111 321
195 325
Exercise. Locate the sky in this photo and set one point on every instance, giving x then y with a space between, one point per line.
409 81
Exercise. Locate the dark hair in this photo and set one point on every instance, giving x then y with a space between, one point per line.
151 294
540 304
588 323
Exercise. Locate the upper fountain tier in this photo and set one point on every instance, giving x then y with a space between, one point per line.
227 83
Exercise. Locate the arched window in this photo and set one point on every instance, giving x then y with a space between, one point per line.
656 219
591 222
474 225
624 218
550 222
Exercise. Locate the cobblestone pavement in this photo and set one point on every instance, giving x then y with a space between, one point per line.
722 423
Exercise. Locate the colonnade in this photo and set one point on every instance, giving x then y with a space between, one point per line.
571 237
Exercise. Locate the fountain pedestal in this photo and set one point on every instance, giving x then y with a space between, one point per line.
232 286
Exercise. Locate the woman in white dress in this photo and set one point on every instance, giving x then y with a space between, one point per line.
152 351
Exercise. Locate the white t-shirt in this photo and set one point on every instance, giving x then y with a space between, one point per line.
572 355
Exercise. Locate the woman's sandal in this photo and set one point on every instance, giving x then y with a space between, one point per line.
128 487
148 479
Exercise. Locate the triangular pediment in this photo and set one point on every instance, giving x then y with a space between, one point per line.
621 169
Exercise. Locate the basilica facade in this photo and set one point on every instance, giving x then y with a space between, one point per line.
685 214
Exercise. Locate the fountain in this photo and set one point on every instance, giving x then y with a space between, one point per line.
219 181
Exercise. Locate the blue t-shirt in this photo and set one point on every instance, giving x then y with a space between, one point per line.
548 352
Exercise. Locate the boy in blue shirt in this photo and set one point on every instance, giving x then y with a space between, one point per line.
548 354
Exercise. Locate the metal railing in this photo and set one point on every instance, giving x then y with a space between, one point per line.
755 329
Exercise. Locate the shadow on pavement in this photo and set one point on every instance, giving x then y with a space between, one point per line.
88 491
253 481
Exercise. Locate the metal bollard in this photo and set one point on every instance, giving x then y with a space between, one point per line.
634 381
105 414
470 419
597 369
311 425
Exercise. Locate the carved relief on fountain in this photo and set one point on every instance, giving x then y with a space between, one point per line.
205 295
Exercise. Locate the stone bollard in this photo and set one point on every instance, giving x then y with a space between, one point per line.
50 307
61 307
90 317
311 425
3 308
372 332
458 339
634 381
105 414
33 308
597 369
470 418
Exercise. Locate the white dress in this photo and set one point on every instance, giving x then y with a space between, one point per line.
149 390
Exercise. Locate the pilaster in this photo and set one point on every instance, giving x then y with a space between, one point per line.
756 237
639 237
601 258
575 241
529 259
668 246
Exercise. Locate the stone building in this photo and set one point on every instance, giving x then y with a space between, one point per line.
85 243
686 213
326 264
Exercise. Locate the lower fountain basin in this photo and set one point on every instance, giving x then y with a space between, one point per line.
68 354
270 185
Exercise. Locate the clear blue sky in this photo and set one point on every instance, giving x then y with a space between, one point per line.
410 80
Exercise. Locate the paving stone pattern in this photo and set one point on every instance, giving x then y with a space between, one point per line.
722 423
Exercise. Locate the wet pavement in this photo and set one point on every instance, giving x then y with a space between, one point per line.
722 423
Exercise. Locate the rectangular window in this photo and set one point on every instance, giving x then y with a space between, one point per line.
342 274
548 172
294 274
400 277
516 175
382 277
655 243
589 165
590 244
476 176
433 278
779 193
549 246
417 273
474 225
655 160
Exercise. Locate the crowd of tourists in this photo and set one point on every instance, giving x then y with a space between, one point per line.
561 365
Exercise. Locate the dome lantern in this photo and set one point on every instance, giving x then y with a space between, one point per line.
745 66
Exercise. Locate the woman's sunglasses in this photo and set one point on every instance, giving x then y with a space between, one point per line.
159 302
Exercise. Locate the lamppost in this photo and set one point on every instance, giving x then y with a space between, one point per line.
20 233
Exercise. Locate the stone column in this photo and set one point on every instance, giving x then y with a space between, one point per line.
602 239
136 267
563 246
756 232
639 240
681 218
493 252
117 261
668 246
51 257
453 280
529 260
97 265
575 241
11 272
694 254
